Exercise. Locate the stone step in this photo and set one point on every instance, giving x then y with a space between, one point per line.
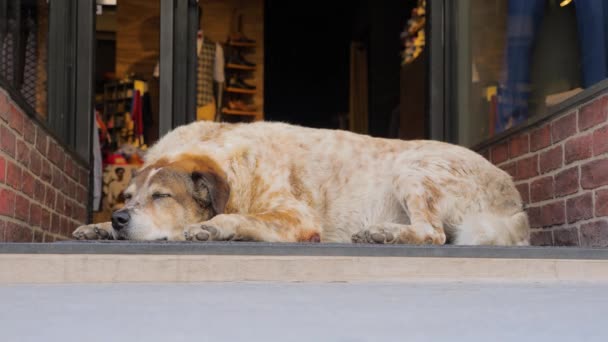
126 262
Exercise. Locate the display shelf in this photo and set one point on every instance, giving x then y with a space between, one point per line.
238 44
240 67
240 112
240 91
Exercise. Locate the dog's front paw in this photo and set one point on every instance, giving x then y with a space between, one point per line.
91 232
374 235
205 232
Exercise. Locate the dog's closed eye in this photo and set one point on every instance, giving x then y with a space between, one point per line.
158 195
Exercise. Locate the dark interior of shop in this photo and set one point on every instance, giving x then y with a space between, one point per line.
307 60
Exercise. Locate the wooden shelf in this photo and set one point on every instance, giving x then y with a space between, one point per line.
241 91
237 44
239 112
240 67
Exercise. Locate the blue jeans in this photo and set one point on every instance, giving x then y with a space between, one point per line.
524 18
592 22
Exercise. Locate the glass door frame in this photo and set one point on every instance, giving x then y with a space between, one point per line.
178 63
444 45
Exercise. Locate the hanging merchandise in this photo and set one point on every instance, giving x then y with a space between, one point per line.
210 69
104 137
123 111
146 109
413 37
136 116
204 82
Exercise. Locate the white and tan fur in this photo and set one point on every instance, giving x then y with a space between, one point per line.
289 183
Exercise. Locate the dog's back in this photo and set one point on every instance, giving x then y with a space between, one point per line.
353 182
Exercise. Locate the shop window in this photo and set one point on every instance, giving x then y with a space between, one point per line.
514 59
45 64
24 53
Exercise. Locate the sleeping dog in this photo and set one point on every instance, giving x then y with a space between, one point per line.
276 182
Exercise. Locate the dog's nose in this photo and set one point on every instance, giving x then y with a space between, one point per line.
120 219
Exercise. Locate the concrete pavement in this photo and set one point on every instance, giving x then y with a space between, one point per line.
445 311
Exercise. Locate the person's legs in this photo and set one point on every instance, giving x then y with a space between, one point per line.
591 17
524 18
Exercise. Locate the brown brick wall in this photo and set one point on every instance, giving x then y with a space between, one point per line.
561 169
43 189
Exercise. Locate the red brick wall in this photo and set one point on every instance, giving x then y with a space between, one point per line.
561 169
43 189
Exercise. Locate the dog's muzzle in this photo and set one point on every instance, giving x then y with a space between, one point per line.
120 219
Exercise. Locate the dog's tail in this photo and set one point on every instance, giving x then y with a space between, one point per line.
493 229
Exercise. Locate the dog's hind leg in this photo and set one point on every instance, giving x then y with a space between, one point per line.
426 227
394 233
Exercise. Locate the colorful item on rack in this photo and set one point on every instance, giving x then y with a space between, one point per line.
413 36
116 159
137 115
104 136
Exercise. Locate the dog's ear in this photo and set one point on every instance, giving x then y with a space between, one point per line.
211 189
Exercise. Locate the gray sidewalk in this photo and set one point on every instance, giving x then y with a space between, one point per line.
304 312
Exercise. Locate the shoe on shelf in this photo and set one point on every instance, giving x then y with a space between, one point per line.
240 105
240 38
237 59
236 82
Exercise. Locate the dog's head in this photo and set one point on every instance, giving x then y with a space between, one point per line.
165 197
